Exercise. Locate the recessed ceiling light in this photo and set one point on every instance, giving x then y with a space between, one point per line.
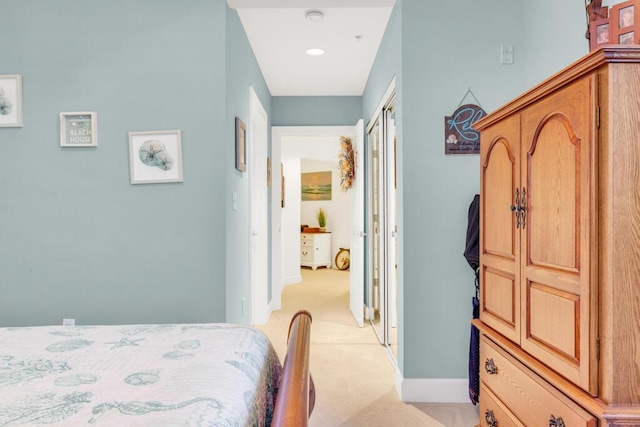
315 51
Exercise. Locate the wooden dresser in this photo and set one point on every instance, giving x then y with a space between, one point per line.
560 249
315 250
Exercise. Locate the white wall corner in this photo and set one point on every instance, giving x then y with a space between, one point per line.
432 390
290 280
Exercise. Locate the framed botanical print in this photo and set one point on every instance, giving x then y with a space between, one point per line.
10 100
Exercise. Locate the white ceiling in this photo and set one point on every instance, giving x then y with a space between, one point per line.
280 34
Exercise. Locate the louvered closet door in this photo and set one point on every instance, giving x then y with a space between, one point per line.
557 170
499 237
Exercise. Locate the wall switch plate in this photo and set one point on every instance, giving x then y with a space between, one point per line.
68 322
234 200
506 54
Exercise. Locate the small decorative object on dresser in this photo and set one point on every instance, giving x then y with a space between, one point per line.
625 23
321 215
559 282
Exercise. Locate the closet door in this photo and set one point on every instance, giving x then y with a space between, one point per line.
500 227
557 176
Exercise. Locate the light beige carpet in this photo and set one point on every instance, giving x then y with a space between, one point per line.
353 374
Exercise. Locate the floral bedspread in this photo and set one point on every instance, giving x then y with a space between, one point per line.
142 375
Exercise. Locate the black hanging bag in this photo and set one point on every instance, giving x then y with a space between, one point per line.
472 254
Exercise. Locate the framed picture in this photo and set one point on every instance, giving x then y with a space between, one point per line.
11 100
315 186
282 185
599 33
241 145
79 129
624 23
155 156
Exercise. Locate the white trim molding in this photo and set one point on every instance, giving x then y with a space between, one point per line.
432 390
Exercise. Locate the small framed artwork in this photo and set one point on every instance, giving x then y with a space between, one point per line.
624 23
79 129
10 100
241 145
598 33
268 172
155 156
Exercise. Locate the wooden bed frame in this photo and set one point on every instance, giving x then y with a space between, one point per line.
296 395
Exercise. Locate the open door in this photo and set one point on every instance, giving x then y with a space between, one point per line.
258 211
356 277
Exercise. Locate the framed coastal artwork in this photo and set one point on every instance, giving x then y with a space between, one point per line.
155 156
10 100
315 186
79 129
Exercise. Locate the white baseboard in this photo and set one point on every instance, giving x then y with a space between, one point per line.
432 390
292 279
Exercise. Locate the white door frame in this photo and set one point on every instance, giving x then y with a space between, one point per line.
278 133
257 141
356 273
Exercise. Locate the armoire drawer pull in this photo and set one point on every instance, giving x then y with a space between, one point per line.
490 418
490 367
555 422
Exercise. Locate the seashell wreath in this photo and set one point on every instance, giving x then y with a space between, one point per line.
346 163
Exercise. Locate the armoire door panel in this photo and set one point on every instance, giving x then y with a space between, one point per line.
557 158
553 163
553 320
499 236
500 299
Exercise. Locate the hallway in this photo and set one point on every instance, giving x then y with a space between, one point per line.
353 375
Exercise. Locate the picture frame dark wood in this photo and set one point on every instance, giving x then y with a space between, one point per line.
241 145
624 27
599 33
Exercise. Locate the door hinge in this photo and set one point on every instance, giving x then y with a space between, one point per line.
598 117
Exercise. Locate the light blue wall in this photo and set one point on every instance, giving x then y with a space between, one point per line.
447 57
76 238
554 37
316 110
242 72
435 61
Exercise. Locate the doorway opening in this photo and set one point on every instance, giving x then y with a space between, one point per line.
292 147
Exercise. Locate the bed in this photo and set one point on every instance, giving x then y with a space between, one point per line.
214 374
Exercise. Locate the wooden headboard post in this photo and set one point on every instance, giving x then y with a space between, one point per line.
296 395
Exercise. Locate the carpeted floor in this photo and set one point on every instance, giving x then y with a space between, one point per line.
353 374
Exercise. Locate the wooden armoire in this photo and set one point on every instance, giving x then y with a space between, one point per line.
560 249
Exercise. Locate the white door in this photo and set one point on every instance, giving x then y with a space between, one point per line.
356 278
257 170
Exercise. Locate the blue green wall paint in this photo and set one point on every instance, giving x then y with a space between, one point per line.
77 239
435 61
316 110
242 72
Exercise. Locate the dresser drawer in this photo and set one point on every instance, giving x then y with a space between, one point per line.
306 255
493 413
524 393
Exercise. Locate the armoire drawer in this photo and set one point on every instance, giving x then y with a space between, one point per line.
493 413
524 393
